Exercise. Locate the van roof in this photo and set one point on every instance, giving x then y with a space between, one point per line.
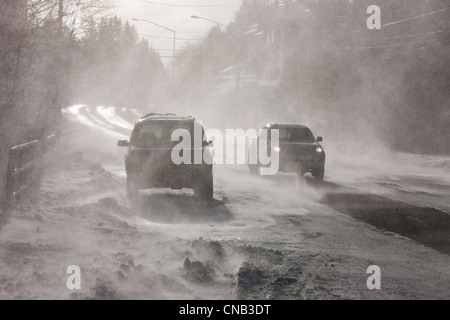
165 116
277 125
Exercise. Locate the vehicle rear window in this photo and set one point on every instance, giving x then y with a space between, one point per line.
296 135
158 133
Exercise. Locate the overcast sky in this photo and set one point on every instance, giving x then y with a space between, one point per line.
175 15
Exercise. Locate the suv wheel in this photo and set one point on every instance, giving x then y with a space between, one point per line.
301 174
132 190
301 171
318 174
204 188
254 168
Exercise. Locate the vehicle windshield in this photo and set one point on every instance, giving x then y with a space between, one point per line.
158 133
296 135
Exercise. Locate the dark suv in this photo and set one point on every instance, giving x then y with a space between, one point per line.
149 162
299 151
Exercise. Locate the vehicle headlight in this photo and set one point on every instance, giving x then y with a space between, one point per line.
319 150
277 149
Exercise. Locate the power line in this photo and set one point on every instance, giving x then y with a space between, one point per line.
404 20
388 4
191 6
405 36
416 17
171 57
169 38
165 50
192 32
389 45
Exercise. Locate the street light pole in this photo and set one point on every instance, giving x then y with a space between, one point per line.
197 17
174 55
174 42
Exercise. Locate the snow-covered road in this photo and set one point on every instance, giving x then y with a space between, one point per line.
261 238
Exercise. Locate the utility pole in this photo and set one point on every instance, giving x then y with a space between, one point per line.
238 77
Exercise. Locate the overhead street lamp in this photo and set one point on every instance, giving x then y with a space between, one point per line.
174 42
197 17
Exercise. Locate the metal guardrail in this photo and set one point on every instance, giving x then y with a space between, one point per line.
25 166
